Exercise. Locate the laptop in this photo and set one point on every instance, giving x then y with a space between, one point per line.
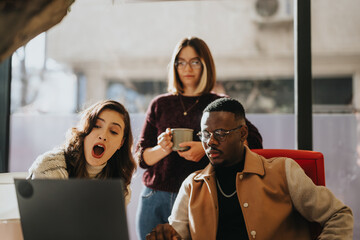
72 209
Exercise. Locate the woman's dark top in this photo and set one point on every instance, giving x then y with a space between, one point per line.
166 111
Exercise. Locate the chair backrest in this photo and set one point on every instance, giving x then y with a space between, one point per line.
312 162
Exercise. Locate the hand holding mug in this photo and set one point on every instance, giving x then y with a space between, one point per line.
164 140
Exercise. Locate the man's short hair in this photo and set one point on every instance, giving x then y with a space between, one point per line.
227 105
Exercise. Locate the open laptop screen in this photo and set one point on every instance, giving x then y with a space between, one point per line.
76 209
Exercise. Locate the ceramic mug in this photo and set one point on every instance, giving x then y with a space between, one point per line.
180 135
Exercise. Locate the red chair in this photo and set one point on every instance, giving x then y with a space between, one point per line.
313 164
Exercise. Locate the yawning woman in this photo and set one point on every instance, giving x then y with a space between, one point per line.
99 147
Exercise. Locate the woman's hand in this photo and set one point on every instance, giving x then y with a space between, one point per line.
164 141
162 149
195 153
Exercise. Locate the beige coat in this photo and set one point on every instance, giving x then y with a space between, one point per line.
276 197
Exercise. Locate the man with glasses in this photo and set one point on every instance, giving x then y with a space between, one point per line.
242 195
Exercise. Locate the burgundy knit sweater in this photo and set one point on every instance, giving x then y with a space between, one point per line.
166 111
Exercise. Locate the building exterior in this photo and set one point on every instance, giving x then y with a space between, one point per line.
125 42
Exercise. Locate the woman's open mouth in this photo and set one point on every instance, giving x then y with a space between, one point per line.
98 150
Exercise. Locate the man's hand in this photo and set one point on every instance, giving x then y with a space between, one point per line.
163 232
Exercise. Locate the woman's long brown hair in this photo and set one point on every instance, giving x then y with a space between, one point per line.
120 165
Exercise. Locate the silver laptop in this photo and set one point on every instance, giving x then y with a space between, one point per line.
79 209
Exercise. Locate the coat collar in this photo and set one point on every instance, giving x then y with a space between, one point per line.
253 165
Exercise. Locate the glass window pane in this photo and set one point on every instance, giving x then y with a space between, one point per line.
121 49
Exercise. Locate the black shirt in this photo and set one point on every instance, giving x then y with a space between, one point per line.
231 220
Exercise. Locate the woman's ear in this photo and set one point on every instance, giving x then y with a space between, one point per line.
122 143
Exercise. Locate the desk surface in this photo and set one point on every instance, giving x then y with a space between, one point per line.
10 229
8 201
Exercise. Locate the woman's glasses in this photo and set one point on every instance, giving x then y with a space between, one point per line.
194 64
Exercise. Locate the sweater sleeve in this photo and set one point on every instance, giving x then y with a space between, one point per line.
318 204
148 136
49 165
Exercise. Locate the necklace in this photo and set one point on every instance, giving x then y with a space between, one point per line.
183 106
224 194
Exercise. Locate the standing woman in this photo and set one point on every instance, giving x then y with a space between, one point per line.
191 78
99 147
